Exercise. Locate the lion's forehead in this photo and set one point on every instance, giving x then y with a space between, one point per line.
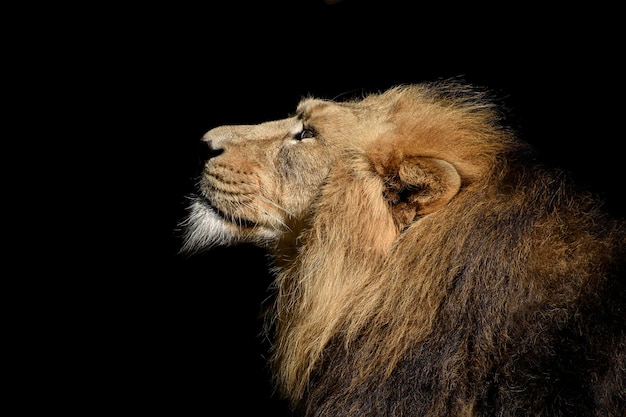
346 122
319 110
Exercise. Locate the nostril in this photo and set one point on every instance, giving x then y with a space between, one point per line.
207 150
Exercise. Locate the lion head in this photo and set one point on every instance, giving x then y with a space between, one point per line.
409 148
418 249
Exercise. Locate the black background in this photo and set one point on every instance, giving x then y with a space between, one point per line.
147 330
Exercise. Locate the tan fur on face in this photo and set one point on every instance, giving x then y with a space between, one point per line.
387 217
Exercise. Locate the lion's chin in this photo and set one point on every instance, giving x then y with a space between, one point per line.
207 227
238 222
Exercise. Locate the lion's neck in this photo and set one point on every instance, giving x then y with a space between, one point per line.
325 283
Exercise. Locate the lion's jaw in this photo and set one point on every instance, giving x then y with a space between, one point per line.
205 228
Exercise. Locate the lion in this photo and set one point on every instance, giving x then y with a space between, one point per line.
425 261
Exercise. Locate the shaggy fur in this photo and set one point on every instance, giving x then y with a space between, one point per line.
425 263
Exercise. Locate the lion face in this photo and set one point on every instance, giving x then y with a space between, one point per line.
263 179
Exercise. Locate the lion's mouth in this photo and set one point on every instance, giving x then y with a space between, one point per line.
235 220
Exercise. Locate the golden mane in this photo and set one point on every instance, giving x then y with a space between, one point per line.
419 252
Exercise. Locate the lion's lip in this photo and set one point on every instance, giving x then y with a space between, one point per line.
237 221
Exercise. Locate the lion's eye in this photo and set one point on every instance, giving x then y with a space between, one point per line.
305 133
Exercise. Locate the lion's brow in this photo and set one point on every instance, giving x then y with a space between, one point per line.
311 106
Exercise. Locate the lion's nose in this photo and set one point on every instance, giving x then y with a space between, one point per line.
209 149
217 137
211 145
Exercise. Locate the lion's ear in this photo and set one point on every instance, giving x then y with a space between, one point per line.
422 186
